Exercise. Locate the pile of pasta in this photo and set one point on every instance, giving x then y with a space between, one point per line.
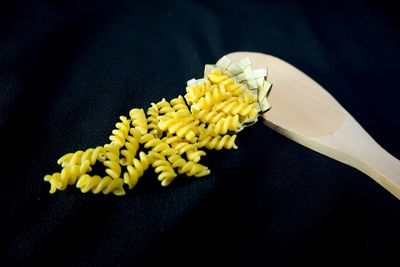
171 136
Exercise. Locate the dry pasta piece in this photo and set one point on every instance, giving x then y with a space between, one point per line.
179 104
139 120
55 182
132 146
79 157
70 158
207 116
164 107
222 126
136 170
163 167
70 174
234 108
191 150
112 161
152 120
184 127
218 142
105 185
120 134
189 168
156 145
195 91
212 97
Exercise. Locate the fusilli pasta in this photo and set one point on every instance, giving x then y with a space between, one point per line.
171 135
136 170
96 184
139 120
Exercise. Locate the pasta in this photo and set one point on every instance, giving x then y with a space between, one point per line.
191 151
139 120
132 146
163 167
222 126
218 142
112 160
120 134
152 120
96 184
91 154
171 136
208 116
184 127
189 168
156 145
136 170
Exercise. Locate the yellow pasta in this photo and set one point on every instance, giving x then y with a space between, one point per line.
188 168
139 120
179 104
182 126
152 120
120 134
156 145
112 161
218 142
171 135
191 150
70 158
206 116
131 148
96 184
163 167
55 182
91 154
136 170
164 107
222 126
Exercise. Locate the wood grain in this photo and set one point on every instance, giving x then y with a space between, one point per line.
305 112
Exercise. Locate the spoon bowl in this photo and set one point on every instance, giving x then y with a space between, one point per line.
305 112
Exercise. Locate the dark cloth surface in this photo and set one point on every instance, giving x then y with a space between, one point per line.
68 69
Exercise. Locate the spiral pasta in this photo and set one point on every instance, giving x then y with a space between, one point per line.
189 168
131 148
182 126
214 95
91 154
156 145
191 151
152 120
195 91
112 161
218 142
222 126
136 170
139 120
164 107
171 136
96 184
206 116
179 104
70 174
120 134
234 107
55 182
163 167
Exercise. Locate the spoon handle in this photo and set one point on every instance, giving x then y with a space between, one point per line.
352 145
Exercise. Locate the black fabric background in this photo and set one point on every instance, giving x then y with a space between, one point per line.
68 69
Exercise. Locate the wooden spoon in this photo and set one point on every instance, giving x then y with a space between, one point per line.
305 112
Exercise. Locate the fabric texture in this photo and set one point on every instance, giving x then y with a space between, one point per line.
69 69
